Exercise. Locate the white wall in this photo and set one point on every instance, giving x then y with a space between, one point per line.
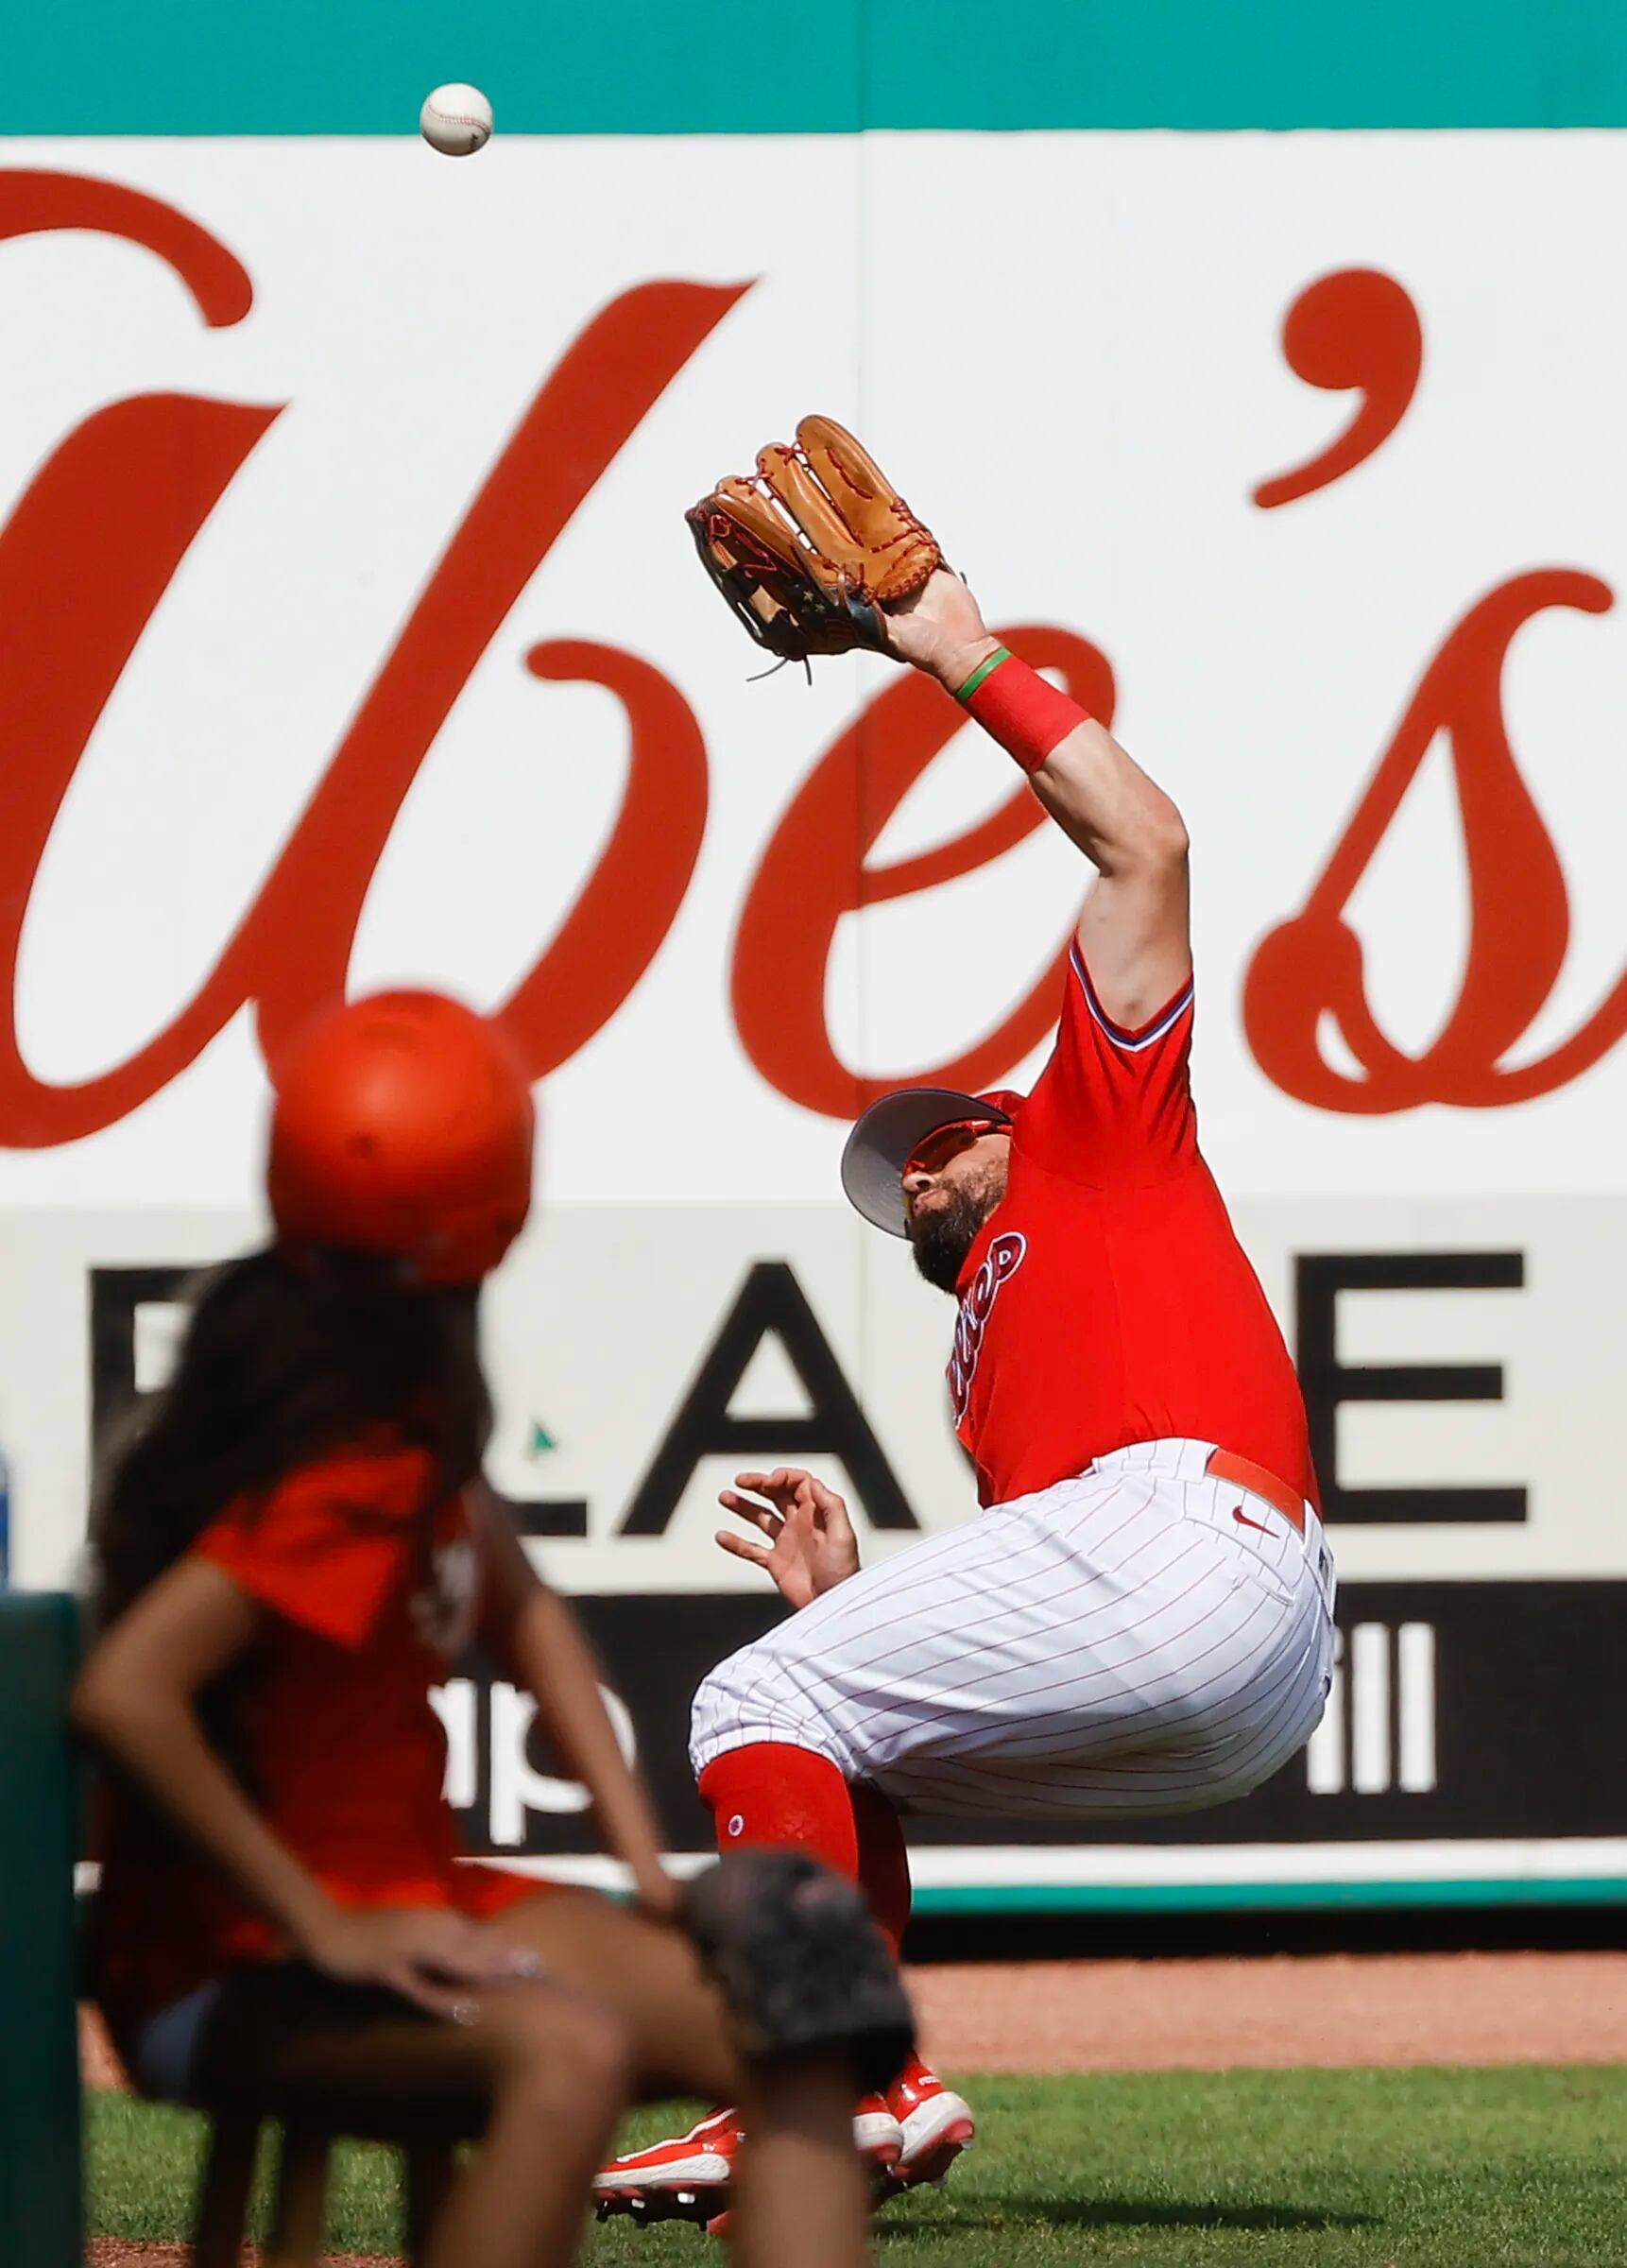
1066 351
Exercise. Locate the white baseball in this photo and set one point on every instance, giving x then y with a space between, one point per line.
457 120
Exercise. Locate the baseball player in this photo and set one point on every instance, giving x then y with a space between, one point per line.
1141 1620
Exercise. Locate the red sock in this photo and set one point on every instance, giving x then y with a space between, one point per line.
883 1864
773 1792
777 1793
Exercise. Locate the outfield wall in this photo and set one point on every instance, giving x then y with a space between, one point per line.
351 635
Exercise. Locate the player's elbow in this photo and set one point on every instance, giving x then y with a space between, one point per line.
1156 844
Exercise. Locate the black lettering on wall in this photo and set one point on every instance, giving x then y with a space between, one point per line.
115 1295
771 1301
548 1515
1327 1383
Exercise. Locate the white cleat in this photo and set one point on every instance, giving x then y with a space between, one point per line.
936 2124
877 2135
685 2179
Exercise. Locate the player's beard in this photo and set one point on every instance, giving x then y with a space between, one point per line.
941 1237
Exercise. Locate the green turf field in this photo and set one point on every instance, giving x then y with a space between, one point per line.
1456 2169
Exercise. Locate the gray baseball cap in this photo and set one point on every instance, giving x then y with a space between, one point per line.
885 1137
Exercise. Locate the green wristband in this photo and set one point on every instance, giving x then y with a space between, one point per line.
984 669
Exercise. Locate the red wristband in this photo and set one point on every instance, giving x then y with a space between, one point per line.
1018 707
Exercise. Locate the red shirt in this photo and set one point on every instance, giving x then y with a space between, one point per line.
370 1599
1106 1299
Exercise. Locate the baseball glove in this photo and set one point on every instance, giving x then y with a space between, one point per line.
810 551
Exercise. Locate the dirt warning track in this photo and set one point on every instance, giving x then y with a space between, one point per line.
1316 2010
1324 2009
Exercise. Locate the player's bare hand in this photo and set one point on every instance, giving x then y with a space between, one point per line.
940 629
430 1955
808 1545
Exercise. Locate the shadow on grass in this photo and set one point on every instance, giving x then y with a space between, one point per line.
1128 2212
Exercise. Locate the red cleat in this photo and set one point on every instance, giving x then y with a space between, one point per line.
877 2135
688 2179
692 2178
937 2124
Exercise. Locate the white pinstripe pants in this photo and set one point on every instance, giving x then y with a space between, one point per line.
1141 1638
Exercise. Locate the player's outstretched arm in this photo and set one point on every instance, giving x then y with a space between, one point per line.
1133 930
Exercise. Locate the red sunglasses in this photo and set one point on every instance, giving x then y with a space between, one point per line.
935 1149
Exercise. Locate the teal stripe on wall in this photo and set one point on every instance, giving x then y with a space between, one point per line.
739 67
1268 1898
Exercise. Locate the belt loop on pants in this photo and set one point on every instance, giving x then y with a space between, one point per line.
1223 1465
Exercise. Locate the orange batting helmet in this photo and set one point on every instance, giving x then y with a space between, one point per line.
402 1125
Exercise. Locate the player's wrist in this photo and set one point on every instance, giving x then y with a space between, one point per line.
1028 715
959 663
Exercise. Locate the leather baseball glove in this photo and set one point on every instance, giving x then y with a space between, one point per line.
810 551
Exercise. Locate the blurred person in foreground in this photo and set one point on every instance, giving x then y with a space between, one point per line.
290 1553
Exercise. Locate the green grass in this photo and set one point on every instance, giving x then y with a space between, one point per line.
143 2159
1440 2169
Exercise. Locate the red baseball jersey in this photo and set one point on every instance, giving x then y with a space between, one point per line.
369 1598
1107 1301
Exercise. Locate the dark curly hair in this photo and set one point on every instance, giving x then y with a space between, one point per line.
280 1366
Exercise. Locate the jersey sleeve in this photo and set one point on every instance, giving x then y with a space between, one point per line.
1113 1107
329 1545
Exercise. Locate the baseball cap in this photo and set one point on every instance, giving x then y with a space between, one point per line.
889 1132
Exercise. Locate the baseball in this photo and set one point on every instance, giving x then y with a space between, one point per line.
457 120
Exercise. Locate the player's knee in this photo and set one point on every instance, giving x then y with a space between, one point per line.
705 1711
730 1696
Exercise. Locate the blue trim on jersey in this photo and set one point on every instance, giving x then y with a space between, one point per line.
1146 1033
